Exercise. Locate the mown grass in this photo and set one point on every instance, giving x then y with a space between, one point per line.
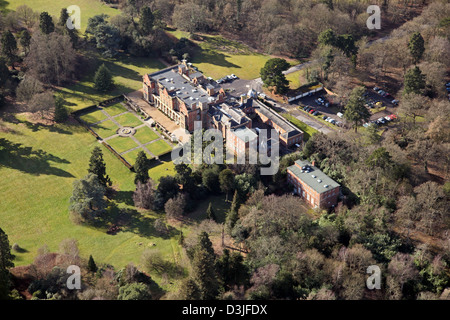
308 131
128 120
122 144
127 75
217 57
38 165
115 109
89 8
158 147
105 129
145 134
296 79
93 117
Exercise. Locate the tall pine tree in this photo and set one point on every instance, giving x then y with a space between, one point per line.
92 267
60 110
97 166
146 21
46 24
141 168
416 47
210 213
9 47
103 80
414 81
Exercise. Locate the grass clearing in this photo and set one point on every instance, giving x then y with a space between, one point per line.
217 57
105 129
145 134
132 156
115 109
308 131
296 79
89 8
161 169
94 116
158 147
128 120
122 144
127 75
38 165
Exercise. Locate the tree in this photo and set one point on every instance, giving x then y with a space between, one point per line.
414 81
327 37
175 207
27 15
4 73
204 271
42 103
61 113
63 17
272 75
144 195
232 215
6 262
210 178
416 46
108 39
210 213
413 105
226 180
28 87
97 166
184 177
25 40
92 267
379 158
46 24
134 291
87 201
141 168
191 17
9 47
355 111
51 58
189 290
103 80
146 21
167 188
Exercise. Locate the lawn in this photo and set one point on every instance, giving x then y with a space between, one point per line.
105 129
308 131
128 120
132 155
115 109
122 144
296 79
158 147
93 117
38 165
89 8
161 169
217 57
127 75
145 134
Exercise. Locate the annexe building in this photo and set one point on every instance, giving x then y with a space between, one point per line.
314 186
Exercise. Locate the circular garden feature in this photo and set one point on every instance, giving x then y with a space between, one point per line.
126 131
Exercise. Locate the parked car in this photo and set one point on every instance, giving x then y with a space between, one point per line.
381 120
316 113
388 118
324 117
219 81
308 109
367 124
311 111
340 114
376 89
305 107
318 102
233 76
447 84
394 102
333 121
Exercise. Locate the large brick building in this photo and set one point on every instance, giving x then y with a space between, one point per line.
186 96
314 186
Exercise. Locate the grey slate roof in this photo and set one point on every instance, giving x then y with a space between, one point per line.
307 176
179 86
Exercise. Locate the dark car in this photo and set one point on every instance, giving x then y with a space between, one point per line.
324 117
316 113
305 107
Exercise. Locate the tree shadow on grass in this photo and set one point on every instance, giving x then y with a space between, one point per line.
125 197
39 126
35 162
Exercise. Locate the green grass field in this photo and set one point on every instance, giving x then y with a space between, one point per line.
132 155
158 147
296 79
38 165
128 120
127 75
105 129
217 57
89 8
93 117
308 131
115 109
121 144
145 134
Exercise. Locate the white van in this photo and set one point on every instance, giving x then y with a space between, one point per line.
340 115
